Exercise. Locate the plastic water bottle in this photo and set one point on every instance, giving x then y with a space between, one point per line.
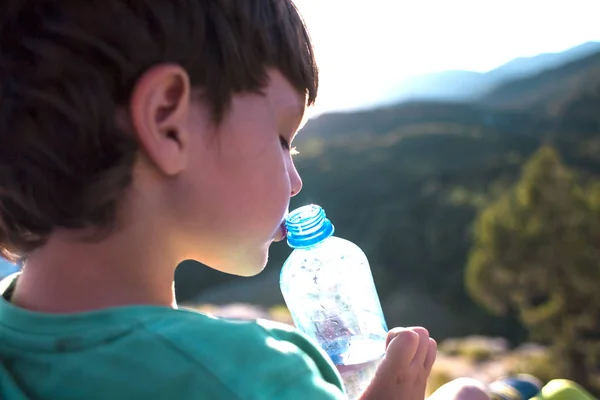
328 287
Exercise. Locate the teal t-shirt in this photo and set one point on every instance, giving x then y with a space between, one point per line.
148 352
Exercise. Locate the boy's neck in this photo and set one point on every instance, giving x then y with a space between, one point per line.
67 275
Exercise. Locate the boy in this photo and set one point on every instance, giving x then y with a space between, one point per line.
135 135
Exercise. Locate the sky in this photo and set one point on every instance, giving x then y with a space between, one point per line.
365 47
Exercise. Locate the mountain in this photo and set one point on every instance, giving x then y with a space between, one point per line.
454 85
528 66
546 91
467 85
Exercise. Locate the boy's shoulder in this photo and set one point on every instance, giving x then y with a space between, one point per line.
257 356
141 351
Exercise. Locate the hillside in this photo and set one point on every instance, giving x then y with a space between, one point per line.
548 91
405 182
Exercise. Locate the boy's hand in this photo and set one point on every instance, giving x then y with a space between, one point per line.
404 370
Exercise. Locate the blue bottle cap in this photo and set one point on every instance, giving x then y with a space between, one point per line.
307 226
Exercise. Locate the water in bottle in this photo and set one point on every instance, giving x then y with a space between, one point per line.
328 287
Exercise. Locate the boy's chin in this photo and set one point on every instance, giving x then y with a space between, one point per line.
245 271
245 264
245 268
252 268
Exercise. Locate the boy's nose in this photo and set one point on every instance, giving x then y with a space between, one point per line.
296 181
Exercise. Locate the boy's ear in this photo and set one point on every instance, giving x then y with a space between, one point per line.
159 108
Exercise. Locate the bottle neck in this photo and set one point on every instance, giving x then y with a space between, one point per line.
307 227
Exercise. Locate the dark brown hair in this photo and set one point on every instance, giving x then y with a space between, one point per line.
67 66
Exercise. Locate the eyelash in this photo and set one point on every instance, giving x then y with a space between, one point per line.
286 146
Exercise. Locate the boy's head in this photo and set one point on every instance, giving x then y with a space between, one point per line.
166 117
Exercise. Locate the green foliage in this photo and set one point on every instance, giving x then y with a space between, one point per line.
437 379
475 349
477 354
536 253
540 365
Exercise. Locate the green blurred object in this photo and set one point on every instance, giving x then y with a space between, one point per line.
563 389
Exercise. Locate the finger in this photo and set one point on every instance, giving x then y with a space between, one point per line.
423 348
431 355
402 347
392 333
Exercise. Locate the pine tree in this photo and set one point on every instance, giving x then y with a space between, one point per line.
536 253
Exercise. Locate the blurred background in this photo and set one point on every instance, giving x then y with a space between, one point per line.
458 144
